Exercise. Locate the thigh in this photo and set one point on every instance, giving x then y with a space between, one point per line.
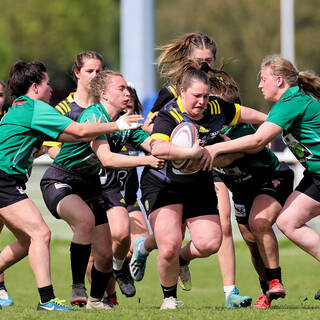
265 208
299 209
23 216
138 223
166 224
119 222
74 210
204 228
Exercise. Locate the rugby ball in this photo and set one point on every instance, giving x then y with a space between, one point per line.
184 134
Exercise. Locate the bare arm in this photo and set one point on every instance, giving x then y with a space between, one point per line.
247 144
169 151
249 115
116 160
88 130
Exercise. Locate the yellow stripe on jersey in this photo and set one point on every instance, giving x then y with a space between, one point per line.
211 107
216 103
149 114
179 103
57 107
175 116
178 114
52 144
70 97
173 90
66 107
160 136
236 116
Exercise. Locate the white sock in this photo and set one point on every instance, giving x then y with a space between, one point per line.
142 249
117 263
228 289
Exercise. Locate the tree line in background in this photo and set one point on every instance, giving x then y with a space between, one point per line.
245 31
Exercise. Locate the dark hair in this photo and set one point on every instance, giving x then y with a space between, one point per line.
181 49
3 84
137 106
81 57
223 85
189 71
22 75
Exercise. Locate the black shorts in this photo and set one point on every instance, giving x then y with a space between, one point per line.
279 186
310 186
198 198
11 190
112 197
133 207
58 182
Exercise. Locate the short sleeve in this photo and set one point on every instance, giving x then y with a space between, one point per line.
48 120
163 126
282 115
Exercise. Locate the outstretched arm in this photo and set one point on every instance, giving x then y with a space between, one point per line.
247 144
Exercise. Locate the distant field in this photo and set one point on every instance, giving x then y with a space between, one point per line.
205 301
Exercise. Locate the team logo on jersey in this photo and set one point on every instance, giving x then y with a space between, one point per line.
300 151
240 210
146 205
20 190
59 185
203 129
19 102
123 201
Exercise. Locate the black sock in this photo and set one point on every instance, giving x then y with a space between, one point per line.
79 255
46 293
3 286
99 283
273 274
169 291
264 286
183 262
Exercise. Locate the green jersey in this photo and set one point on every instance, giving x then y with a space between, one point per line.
79 157
22 131
252 168
299 116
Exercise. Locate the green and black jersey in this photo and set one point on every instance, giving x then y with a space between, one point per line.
22 131
251 170
299 116
79 156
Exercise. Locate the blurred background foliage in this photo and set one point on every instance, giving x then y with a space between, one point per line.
245 31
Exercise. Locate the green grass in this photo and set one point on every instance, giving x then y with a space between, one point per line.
205 301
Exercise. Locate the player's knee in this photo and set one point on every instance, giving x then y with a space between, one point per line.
260 226
170 251
207 247
85 225
283 225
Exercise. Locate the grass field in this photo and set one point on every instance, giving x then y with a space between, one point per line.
205 301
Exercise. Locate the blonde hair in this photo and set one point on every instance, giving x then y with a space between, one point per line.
101 82
306 80
179 50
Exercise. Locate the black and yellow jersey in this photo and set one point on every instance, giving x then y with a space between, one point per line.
69 108
166 94
217 115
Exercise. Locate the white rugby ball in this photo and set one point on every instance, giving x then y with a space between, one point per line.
184 134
